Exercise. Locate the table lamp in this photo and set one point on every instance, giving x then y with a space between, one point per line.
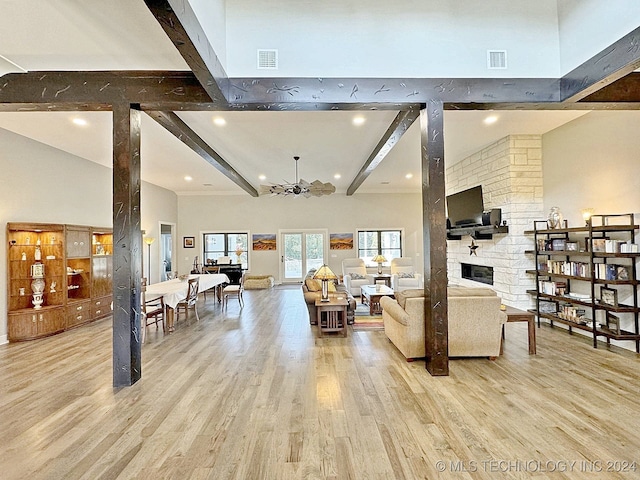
379 259
325 274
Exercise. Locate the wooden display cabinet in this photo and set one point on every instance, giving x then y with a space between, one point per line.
101 271
77 276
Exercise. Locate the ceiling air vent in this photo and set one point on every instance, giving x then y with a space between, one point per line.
496 59
268 59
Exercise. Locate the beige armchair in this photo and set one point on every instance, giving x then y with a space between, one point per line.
475 322
354 275
403 274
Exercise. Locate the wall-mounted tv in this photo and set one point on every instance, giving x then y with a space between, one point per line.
465 208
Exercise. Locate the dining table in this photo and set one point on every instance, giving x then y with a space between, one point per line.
175 290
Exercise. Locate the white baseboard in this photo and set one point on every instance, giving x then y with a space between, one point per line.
4 339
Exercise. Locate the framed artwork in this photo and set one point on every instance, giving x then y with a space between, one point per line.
341 241
572 246
189 242
609 296
263 241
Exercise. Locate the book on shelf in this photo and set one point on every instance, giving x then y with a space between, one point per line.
573 269
610 271
628 247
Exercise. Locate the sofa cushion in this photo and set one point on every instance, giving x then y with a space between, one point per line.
357 276
401 297
406 275
470 292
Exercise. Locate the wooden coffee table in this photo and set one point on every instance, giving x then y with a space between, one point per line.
371 295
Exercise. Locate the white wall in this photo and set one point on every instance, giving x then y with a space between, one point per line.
589 26
337 213
42 184
593 162
404 38
212 17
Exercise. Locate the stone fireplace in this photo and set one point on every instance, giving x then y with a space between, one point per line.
510 172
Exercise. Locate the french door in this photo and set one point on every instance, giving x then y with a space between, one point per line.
301 250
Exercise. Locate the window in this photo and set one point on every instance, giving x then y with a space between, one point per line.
379 242
224 244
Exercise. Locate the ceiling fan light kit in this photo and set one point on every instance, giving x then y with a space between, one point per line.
301 188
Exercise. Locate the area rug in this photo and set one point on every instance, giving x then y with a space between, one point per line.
364 321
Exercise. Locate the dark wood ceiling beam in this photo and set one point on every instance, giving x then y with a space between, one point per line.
627 89
182 132
181 25
279 93
582 105
394 133
608 66
96 90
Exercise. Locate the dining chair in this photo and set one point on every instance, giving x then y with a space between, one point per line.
233 290
152 311
190 300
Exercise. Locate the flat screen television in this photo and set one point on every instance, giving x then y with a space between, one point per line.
465 208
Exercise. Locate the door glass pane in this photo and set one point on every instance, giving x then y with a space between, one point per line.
314 250
292 255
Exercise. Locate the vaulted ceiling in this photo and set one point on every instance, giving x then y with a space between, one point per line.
267 123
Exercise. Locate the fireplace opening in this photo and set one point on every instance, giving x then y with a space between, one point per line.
477 273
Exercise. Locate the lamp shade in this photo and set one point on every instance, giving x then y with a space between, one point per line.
325 273
379 259
149 240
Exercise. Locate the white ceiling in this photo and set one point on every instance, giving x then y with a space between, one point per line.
70 35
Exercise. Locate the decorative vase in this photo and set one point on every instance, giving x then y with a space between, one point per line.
555 218
37 286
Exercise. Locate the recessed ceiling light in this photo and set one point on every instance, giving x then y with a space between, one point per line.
219 121
359 120
262 177
490 119
79 121
409 175
337 176
188 178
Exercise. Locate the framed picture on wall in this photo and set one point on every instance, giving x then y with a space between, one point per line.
189 242
609 296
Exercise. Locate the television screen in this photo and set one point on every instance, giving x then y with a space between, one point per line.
466 207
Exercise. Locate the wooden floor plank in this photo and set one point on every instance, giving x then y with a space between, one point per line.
257 393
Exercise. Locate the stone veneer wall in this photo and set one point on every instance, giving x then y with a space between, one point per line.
510 172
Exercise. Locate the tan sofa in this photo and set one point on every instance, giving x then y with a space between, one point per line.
475 322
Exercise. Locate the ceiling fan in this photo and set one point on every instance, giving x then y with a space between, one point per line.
300 188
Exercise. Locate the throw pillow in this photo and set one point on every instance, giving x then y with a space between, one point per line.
406 275
357 276
401 297
313 285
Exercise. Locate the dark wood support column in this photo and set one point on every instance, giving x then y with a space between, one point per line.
127 243
434 238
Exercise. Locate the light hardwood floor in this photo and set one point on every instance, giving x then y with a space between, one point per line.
256 394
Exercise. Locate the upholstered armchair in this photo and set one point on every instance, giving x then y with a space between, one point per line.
403 274
354 275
